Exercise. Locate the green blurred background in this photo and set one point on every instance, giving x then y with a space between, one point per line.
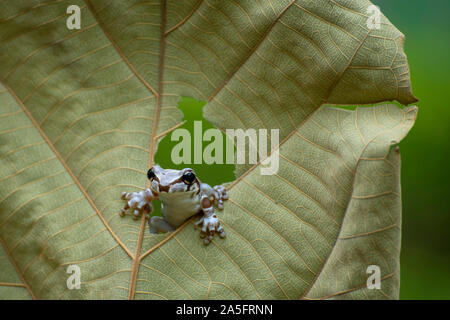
425 255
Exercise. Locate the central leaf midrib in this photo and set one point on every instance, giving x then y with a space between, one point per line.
158 94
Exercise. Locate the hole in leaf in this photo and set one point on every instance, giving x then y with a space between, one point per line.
212 174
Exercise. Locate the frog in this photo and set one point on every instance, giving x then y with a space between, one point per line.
182 196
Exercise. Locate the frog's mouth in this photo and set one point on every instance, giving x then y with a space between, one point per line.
164 188
178 187
169 189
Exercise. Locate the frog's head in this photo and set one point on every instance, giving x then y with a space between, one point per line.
172 181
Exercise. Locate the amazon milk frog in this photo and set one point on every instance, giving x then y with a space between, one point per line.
182 196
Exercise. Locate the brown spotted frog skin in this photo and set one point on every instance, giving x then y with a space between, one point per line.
182 196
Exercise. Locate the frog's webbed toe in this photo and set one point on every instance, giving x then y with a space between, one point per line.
210 226
139 202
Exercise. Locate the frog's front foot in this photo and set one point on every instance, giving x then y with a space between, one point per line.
139 202
210 222
220 194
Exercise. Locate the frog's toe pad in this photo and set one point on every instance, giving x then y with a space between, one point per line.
210 225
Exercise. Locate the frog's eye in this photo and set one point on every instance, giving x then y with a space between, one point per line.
188 177
150 174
